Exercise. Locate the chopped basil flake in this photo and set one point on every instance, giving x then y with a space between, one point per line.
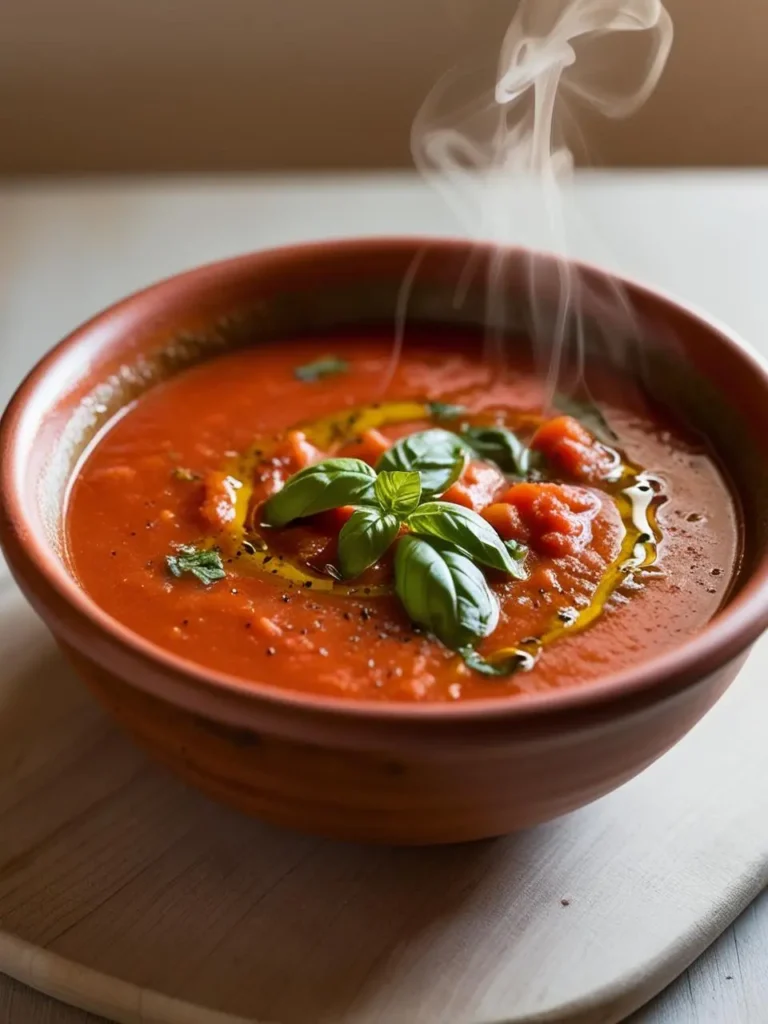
445 411
204 564
327 366
518 661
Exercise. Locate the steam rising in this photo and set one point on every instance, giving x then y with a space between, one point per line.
511 134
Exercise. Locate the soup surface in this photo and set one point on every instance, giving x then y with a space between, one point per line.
544 552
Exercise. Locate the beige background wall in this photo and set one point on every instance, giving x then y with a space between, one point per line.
126 85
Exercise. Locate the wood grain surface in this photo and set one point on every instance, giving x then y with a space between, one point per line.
728 983
149 901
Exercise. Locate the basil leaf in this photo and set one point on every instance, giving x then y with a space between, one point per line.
466 531
364 538
317 488
327 366
445 411
444 592
498 669
204 564
437 455
588 414
499 445
398 492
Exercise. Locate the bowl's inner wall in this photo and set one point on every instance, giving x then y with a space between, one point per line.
625 336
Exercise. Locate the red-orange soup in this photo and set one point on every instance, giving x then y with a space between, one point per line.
191 461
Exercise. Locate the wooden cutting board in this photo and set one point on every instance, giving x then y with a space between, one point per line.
124 893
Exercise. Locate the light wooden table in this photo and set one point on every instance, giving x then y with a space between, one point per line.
69 249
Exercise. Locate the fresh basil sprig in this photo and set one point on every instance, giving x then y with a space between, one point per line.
398 492
326 485
445 592
438 456
499 445
364 538
466 532
204 564
437 563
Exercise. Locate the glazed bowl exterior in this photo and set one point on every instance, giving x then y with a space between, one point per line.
395 773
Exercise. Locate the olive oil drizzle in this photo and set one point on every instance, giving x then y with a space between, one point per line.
632 489
633 493
328 434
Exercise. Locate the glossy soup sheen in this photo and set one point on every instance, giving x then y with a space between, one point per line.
157 478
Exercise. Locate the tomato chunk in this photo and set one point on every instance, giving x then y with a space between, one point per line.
459 494
334 519
506 521
554 519
369 447
570 447
476 487
296 452
219 499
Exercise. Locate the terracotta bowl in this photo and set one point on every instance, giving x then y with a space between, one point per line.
394 773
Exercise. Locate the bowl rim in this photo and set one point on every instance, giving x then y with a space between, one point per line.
734 628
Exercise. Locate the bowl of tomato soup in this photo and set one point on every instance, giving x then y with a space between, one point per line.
347 558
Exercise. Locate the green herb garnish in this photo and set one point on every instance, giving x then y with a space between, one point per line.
498 668
445 411
466 532
398 492
445 592
364 538
327 366
326 485
437 563
436 455
204 564
499 445
441 548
